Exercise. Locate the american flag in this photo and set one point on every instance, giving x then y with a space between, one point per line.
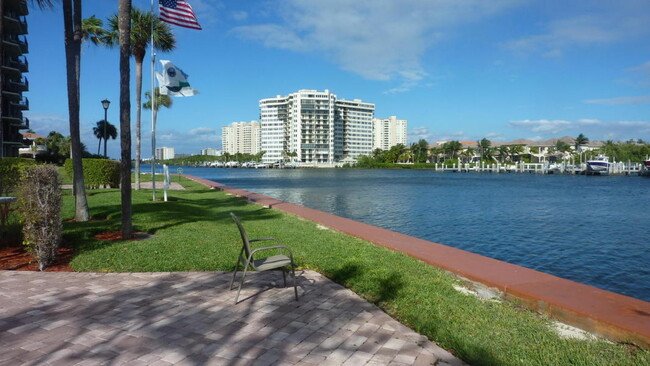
178 12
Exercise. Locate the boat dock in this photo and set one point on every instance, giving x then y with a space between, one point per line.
617 168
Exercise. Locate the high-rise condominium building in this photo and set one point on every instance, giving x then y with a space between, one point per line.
241 137
315 127
210 151
165 153
13 47
388 132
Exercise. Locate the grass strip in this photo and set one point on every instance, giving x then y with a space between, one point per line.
193 232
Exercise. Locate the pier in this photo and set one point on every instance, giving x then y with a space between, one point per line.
616 168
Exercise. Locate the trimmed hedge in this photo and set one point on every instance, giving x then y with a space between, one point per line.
10 172
97 172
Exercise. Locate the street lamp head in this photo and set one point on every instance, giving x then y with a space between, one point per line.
106 103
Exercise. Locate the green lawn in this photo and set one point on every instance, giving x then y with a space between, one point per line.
195 233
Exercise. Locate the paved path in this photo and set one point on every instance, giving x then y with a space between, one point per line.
190 319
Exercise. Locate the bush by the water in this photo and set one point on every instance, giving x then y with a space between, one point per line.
10 171
40 203
97 172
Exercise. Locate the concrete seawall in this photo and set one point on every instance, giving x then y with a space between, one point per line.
610 315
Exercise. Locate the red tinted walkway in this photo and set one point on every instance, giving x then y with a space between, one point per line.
608 314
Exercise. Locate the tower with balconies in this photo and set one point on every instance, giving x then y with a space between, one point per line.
13 64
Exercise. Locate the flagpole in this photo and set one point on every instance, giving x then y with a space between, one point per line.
153 108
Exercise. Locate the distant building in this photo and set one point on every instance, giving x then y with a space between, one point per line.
165 153
241 137
211 151
315 126
13 64
33 149
388 132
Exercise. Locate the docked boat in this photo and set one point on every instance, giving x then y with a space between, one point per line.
600 165
645 169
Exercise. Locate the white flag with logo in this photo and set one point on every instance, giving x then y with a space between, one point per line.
173 81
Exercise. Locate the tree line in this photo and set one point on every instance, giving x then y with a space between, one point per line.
454 152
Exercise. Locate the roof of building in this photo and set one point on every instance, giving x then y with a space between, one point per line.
32 136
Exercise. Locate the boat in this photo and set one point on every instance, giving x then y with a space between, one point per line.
645 168
598 166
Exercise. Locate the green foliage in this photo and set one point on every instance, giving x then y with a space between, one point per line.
40 205
10 172
628 151
199 159
98 172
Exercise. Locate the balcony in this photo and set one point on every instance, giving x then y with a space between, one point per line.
22 104
18 7
14 67
16 86
14 46
14 23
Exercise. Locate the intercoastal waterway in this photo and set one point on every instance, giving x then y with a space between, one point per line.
592 230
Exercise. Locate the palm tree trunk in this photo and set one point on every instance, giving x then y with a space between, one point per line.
138 112
72 31
124 15
2 137
99 145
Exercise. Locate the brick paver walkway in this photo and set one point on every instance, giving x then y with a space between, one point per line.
190 319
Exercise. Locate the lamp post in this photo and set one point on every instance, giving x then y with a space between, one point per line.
105 104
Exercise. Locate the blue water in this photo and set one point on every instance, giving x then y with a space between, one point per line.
594 230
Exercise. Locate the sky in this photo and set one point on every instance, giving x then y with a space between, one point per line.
455 69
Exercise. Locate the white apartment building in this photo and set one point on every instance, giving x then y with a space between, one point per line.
241 137
388 132
165 153
316 126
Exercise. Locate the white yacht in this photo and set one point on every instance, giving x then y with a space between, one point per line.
599 165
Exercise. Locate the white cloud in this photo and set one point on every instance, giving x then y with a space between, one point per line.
640 75
645 67
239 15
594 128
588 24
44 123
543 125
202 131
377 39
643 99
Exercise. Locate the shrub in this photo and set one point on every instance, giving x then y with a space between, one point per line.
10 171
39 200
97 172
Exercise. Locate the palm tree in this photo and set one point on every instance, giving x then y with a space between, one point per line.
124 26
436 152
164 41
581 140
515 151
504 152
451 148
92 30
98 131
484 148
73 36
